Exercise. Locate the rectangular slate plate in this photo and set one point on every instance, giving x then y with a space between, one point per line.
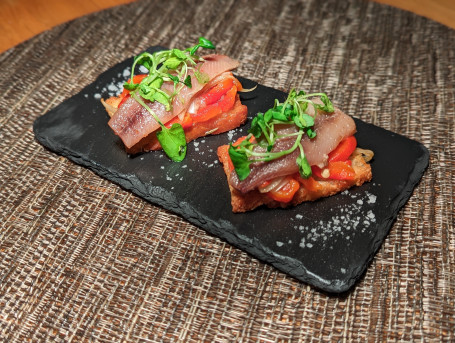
327 243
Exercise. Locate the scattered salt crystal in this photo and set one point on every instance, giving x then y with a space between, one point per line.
372 198
346 221
279 244
97 96
111 87
126 73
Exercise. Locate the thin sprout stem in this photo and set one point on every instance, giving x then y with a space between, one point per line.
289 135
274 155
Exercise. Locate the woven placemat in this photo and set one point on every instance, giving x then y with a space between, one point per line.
83 260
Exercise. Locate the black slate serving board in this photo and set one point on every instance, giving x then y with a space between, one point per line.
328 243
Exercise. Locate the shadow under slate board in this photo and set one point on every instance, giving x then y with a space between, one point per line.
327 244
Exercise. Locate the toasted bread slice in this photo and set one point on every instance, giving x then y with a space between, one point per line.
309 191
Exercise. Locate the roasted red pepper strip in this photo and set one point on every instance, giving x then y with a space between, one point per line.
216 92
338 170
124 99
343 150
228 100
285 193
186 123
310 184
225 102
339 165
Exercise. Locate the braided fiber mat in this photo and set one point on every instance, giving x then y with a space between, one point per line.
83 260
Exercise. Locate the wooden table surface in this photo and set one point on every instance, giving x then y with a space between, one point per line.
23 19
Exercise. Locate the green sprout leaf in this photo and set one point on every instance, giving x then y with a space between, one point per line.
173 78
257 125
240 162
187 81
173 142
172 63
304 167
205 43
144 59
311 133
328 106
163 98
130 86
278 115
179 54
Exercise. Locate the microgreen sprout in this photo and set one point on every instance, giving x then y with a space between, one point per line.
263 133
163 66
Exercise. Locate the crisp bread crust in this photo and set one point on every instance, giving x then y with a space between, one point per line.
243 202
